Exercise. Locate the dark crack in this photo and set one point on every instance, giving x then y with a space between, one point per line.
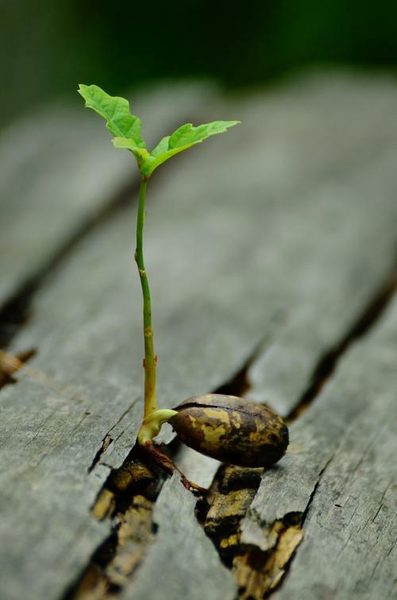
126 500
295 520
326 366
106 442
239 384
259 569
315 488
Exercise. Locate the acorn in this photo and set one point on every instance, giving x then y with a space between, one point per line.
231 429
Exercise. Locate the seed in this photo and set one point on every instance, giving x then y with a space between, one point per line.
231 429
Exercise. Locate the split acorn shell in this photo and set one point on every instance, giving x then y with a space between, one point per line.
231 429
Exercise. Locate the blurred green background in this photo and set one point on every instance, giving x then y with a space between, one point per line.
49 46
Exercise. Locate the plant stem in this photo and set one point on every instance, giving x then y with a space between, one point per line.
150 360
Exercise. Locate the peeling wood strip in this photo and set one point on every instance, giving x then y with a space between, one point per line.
10 364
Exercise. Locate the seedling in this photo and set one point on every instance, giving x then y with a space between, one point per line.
225 427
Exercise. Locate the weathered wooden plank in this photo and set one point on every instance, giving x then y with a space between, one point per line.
343 475
246 275
59 170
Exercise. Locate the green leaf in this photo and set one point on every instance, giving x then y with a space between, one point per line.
152 162
161 147
141 154
189 135
126 129
116 111
183 138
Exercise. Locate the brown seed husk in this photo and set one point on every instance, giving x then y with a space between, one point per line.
231 429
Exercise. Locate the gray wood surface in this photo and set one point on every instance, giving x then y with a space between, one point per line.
277 234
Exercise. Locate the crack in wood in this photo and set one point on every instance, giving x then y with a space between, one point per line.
126 500
106 443
258 574
108 440
239 384
259 566
328 363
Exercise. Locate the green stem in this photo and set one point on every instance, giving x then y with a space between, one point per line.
150 360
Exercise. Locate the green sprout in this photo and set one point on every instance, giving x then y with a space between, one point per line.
126 129
230 429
